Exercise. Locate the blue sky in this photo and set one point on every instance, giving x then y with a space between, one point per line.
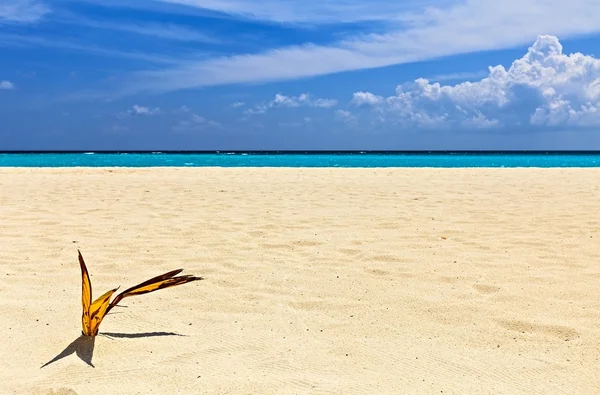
291 74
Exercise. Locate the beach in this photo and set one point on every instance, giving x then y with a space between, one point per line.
317 281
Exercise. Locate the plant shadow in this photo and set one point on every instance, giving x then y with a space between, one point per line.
138 335
83 346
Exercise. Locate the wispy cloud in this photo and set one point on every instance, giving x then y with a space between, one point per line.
303 100
15 40
346 117
469 26
22 11
289 11
196 122
167 31
6 85
183 109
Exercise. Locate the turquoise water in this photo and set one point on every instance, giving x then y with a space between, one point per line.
303 159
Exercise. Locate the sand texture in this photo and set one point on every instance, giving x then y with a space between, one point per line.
318 281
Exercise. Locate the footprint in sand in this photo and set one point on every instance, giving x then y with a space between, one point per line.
486 289
562 332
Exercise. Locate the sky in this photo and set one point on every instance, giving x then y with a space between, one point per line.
299 75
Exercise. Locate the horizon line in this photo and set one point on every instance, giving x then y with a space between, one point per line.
288 152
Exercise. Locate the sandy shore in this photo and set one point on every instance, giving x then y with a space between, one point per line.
338 281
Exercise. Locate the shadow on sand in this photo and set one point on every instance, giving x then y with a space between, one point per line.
138 335
83 346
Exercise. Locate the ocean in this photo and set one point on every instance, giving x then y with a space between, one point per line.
368 159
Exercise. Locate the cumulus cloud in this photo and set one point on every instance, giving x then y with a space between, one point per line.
6 85
467 75
544 87
360 98
303 100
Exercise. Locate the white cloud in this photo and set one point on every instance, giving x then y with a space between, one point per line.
345 116
167 31
309 11
258 109
16 40
197 118
22 11
303 100
238 104
196 122
467 26
360 98
544 87
466 75
170 32
140 110
6 85
183 109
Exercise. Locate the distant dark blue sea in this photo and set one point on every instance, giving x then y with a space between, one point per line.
300 159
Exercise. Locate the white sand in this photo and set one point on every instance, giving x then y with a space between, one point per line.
317 280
